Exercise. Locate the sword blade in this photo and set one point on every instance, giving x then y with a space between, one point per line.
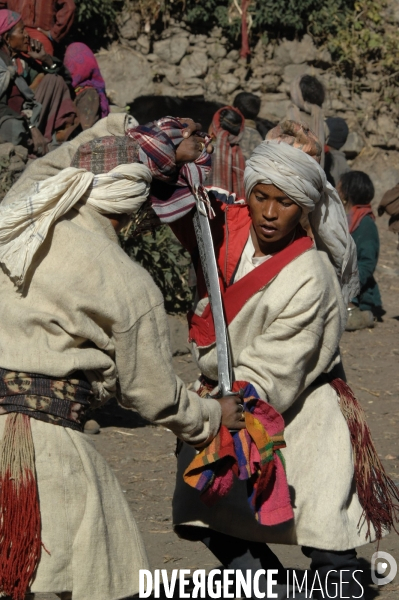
209 266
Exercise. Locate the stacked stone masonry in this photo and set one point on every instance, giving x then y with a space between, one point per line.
178 62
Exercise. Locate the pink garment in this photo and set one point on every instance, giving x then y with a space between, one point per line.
8 19
83 67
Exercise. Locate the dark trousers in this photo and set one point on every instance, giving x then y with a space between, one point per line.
336 571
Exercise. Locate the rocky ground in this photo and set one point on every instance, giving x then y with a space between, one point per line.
143 456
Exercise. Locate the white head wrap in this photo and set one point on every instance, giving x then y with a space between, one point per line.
25 223
302 179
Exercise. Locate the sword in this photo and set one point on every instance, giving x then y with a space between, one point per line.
208 261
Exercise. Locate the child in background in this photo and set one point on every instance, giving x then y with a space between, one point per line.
249 106
335 161
357 191
228 162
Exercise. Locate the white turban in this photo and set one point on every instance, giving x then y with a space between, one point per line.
25 223
302 179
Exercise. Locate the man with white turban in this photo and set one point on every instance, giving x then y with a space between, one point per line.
82 322
285 297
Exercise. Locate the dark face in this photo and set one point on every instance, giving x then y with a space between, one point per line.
18 39
347 204
274 218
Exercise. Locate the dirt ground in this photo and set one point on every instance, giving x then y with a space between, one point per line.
143 456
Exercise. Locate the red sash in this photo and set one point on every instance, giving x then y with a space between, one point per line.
357 214
202 328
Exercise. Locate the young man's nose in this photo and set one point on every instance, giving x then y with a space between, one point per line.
269 210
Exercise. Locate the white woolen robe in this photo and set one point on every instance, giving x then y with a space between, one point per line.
87 306
283 338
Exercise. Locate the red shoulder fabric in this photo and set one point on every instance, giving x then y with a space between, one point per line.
230 230
202 329
237 224
357 214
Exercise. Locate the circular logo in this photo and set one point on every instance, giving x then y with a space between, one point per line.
383 568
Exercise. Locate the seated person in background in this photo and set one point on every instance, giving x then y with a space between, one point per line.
357 191
335 161
307 98
35 101
390 205
249 106
47 21
228 162
91 101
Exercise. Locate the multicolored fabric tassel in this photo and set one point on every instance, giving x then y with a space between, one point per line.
252 454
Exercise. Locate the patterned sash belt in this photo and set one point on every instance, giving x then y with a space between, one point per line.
58 401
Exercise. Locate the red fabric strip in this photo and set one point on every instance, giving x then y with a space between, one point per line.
245 51
202 329
357 214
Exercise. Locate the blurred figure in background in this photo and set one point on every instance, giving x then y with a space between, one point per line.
228 162
91 101
357 191
249 106
390 205
307 98
47 21
335 161
35 103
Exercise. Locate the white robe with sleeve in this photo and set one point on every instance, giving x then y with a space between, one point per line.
283 338
87 306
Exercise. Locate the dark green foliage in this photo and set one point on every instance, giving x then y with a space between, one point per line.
271 17
318 17
207 13
95 20
368 41
167 262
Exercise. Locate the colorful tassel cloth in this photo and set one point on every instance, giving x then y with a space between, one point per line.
252 454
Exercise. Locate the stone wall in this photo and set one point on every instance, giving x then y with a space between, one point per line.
178 62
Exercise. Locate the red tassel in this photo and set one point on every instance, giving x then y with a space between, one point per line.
245 51
378 495
20 526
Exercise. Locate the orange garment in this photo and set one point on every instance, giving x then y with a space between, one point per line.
55 16
357 214
41 37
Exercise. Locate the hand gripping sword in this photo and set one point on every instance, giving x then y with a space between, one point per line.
208 261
